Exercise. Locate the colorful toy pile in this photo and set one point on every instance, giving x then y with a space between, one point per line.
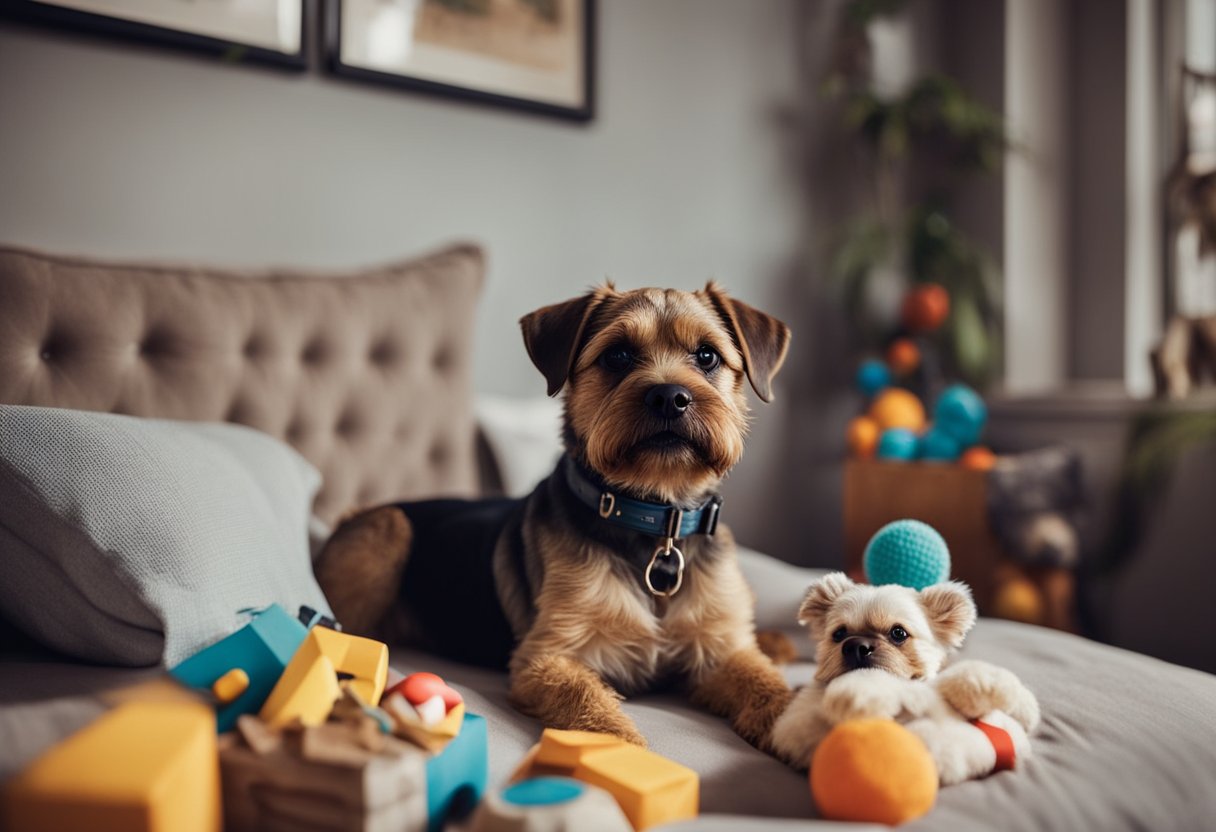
309 735
314 741
895 425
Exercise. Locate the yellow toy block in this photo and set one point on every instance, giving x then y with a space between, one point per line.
565 749
143 767
650 789
309 685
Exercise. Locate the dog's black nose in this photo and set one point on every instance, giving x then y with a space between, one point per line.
857 651
668 401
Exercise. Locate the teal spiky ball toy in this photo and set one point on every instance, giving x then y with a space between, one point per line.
909 553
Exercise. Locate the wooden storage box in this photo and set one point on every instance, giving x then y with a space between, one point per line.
952 499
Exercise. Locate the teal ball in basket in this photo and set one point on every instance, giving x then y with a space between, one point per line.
908 553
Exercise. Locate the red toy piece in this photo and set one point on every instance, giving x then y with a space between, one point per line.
419 687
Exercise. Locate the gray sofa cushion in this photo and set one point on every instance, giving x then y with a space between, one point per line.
132 541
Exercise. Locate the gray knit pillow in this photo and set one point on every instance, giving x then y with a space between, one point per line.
136 541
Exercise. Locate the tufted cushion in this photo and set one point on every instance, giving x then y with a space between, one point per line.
366 374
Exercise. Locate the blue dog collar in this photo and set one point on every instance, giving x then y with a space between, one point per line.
658 519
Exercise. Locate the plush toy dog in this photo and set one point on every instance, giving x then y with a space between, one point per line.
614 575
880 652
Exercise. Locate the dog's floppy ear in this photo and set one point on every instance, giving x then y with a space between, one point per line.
951 611
552 335
761 338
820 597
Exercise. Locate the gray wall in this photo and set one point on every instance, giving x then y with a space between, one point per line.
112 149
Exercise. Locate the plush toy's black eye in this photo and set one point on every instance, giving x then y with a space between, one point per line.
617 359
839 634
707 358
898 634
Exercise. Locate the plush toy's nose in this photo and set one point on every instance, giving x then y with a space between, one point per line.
857 651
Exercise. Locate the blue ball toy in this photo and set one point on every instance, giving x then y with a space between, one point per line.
909 553
873 376
898 443
939 446
961 413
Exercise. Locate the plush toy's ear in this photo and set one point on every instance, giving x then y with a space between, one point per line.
951 611
761 338
820 597
553 334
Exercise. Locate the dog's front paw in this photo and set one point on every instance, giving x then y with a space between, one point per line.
974 688
860 694
632 736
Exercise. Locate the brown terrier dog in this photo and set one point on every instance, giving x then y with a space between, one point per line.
613 575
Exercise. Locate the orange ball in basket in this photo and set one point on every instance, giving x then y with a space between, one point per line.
903 356
978 458
873 770
897 408
862 437
925 308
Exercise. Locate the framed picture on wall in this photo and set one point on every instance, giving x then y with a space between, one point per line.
267 31
529 54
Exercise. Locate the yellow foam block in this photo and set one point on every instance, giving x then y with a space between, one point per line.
143 767
309 685
363 658
564 749
649 789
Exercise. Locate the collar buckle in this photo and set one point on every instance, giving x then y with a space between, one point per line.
607 504
675 519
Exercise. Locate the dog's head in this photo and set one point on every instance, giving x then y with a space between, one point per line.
893 628
655 402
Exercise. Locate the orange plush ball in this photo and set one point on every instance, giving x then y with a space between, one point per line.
897 408
978 458
1018 599
903 356
873 770
925 308
863 437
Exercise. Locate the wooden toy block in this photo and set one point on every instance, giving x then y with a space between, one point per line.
433 738
650 789
261 650
142 767
456 777
309 685
343 775
550 804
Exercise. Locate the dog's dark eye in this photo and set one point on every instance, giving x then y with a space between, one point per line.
898 634
839 634
707 358
617 359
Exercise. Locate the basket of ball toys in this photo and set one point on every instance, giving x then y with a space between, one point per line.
1032 502
289 723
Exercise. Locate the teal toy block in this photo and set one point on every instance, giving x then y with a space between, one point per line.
456 777
252 658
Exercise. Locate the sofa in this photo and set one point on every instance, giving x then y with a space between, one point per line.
366 377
